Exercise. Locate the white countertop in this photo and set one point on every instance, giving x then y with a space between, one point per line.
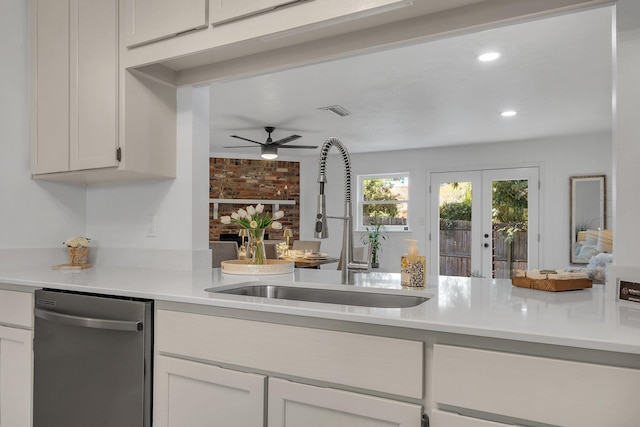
489 308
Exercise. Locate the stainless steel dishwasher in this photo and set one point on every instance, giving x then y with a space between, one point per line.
92 360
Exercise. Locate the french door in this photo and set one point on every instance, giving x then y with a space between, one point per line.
484 223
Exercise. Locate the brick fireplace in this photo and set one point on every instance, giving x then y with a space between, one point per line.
271 182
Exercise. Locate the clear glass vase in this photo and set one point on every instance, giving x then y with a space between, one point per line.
256 246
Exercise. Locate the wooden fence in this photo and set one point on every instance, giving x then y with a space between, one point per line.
455 251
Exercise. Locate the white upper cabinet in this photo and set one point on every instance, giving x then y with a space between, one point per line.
74 84
92 121
150 20
233 28
228 10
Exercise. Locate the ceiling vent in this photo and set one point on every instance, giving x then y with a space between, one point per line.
336 109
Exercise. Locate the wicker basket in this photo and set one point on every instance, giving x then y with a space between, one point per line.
78 256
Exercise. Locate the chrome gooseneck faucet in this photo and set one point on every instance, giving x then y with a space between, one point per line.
349 266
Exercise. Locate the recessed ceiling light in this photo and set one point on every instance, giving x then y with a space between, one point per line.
489 56
508 113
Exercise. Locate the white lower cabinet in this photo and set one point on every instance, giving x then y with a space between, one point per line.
536 390
16 358
298 405
202 393
15 377
197 395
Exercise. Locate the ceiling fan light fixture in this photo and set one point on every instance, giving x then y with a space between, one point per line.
488 56
269 152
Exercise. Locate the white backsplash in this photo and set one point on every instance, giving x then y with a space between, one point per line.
167 259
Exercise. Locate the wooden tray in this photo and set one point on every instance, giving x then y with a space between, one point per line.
71 266
271 266
552 284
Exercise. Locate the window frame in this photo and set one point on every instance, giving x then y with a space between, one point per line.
361 202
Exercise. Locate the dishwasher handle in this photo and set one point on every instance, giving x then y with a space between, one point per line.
89 322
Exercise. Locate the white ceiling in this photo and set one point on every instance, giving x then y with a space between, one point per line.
556 72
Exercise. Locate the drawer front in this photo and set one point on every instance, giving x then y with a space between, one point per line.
16 308
539 389
386 365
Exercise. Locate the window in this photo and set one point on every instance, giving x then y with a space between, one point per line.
383 199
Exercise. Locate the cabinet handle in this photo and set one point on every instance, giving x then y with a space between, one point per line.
89 322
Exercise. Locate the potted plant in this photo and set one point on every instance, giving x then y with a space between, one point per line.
373 235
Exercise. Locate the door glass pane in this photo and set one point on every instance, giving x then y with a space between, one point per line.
509 217
455 228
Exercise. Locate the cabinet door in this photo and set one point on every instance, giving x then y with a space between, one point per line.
197 395
74 82
94 90
15 377
49 68
298 405
227 10
150 20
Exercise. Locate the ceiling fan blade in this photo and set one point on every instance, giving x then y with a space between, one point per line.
241 146
287 139
245 139
299 146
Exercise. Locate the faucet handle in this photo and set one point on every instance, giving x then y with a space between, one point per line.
360 266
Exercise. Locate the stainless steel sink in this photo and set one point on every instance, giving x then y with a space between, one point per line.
330 296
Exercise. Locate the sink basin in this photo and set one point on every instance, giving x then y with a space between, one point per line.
330 296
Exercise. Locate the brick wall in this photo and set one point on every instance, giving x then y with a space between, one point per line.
254 179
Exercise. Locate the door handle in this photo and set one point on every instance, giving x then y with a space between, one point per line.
486 245
89 322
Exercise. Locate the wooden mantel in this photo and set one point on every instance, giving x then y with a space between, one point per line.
275 203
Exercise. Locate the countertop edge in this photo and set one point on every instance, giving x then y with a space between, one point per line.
101 285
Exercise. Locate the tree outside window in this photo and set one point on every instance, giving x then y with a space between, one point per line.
385 200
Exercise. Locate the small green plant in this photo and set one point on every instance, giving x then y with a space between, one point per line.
373 235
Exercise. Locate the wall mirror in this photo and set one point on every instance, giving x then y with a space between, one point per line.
588 216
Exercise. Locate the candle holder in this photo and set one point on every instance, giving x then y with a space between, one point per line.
288 235
243 234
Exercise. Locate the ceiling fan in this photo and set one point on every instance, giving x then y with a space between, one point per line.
270 147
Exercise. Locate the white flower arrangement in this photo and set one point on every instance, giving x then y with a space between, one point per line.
77 242
254 218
